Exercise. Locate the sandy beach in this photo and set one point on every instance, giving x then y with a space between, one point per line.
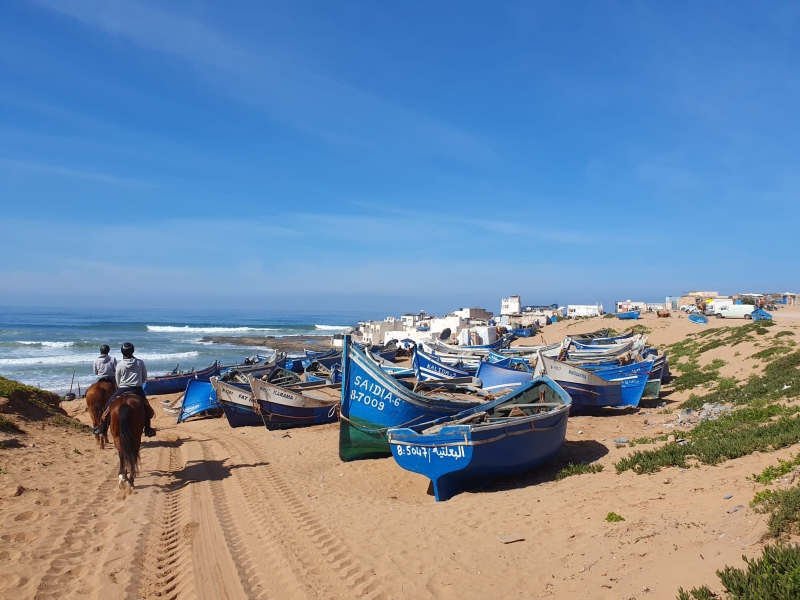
247 513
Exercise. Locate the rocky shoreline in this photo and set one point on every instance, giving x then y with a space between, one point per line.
293 343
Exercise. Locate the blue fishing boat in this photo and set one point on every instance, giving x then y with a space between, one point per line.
584 387
698 318
483 350
176 381
631 314
296 406
760 314
293 364
632 378
237 403
495 377
599 341
199 399
372 401
511 435
428 368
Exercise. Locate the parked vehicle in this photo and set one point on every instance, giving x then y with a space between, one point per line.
735 311
687 307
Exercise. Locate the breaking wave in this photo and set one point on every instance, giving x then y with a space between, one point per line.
87 358
48 344
331 327
190 329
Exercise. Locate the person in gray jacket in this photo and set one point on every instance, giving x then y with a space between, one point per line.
105 366
131 375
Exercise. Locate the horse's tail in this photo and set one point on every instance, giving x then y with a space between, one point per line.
130 455
94 398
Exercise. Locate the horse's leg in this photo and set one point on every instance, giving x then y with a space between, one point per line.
121 471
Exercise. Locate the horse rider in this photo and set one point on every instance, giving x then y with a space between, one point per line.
131 375
105 367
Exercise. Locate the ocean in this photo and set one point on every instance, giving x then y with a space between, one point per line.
43 347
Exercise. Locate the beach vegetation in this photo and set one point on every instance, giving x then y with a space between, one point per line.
742 432
783 507
613 517
609 316
784 333
578 469
34 404
774 575
649 440
772 472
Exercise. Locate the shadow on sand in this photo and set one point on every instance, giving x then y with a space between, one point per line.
583 451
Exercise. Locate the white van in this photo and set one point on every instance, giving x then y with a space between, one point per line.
735 311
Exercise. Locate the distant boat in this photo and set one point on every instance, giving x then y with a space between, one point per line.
698 318
373 401
199 398
513 434
428 368
483 350
631 314
176 381
601 341
760 314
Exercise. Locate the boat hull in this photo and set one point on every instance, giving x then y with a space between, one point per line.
199 399
372 402
237 405
458 456
172 384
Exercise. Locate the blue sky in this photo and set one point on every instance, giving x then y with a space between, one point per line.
363 155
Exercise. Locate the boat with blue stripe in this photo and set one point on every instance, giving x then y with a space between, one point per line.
372 401
511 435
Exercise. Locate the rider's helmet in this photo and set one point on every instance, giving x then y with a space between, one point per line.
127 350
104 349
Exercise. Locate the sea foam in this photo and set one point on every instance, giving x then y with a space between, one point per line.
69 359
189 329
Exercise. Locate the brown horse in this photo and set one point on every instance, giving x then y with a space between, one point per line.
96 397
127 425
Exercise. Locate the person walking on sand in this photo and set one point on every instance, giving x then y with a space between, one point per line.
105 366
131 375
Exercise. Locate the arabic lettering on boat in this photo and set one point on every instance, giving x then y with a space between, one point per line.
438 451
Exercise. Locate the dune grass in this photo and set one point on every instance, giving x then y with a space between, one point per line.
775 575
771 473
577 469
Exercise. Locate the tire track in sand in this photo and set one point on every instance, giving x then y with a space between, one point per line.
251 577
167 572
333 570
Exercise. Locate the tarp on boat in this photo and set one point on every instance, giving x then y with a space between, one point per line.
199 398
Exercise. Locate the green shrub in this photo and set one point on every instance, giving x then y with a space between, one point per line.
613 517
8 425
773 576
783 507
784 333
577 469
773 472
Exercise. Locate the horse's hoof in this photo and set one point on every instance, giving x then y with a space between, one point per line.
121 482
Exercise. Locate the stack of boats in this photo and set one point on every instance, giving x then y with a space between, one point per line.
458 414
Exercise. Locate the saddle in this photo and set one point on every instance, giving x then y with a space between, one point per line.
149 409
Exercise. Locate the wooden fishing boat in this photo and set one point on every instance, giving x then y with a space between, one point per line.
632 377
296 406
698 318
372 401
481 350
510 435
428 368
586 337
495 377
176 381
238 404
631 314
199 398
584 387
599 341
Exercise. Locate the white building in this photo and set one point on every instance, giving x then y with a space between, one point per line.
475 314
511 305
374 332
584 310
629 305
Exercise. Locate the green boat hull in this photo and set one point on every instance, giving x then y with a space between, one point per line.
361 439
652 389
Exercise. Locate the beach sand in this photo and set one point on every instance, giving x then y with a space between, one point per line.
246 513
